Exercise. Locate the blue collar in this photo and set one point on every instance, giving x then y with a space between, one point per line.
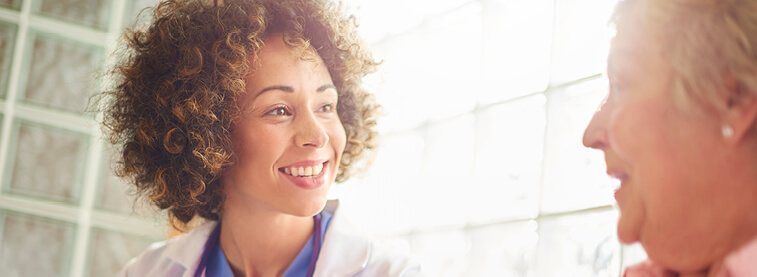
213 261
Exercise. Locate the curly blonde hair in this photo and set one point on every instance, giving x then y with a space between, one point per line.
174 102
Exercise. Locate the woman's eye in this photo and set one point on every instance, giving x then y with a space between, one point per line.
327 108
278 111
615 87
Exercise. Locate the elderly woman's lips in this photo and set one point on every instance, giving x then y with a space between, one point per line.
617 174
618 178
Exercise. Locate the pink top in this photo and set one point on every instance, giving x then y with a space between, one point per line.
737 264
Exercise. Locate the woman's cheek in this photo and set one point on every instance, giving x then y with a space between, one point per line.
340 138
620 130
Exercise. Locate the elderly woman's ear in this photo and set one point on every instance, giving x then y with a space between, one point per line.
740 111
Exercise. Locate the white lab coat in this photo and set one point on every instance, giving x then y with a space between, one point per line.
345 252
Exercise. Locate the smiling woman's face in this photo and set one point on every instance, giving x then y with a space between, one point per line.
290 139
671 163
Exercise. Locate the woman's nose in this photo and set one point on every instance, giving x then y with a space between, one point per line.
595 135
310 132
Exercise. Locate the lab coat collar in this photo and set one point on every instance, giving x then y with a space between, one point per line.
346 250
187 250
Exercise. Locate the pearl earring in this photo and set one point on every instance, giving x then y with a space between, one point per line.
727 131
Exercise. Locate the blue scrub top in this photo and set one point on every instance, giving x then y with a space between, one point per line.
217 266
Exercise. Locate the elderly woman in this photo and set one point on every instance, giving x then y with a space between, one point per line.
678 131
242 113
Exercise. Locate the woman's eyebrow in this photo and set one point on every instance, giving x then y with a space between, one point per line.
281 88
325 87
291 89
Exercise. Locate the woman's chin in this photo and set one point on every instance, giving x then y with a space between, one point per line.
627 233
310 208
679 256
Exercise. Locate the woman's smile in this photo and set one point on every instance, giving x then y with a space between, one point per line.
309 174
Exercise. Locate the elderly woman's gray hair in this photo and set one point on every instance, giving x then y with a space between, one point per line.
710 44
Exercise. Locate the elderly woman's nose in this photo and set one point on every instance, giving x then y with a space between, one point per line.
311 132
595 135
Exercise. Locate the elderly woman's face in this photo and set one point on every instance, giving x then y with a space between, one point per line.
291 138
668 161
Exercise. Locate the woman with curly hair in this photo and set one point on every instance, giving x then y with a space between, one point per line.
242 114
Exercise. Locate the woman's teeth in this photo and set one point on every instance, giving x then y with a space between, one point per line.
304 171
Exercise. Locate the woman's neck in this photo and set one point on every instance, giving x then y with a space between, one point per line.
259 242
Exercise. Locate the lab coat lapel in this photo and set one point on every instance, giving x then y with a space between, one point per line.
345 250
188 248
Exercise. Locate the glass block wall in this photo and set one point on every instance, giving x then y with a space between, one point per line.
62 212
480 169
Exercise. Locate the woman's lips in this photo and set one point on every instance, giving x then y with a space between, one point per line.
307 175
620 177
617 174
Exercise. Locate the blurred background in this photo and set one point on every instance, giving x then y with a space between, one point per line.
480 169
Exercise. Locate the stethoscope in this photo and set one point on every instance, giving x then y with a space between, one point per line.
217 232
316 244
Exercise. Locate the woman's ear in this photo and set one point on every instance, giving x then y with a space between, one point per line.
741 110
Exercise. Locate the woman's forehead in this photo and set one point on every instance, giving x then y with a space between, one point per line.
635 34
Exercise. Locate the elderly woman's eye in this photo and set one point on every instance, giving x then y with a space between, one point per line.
278 111
615 88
